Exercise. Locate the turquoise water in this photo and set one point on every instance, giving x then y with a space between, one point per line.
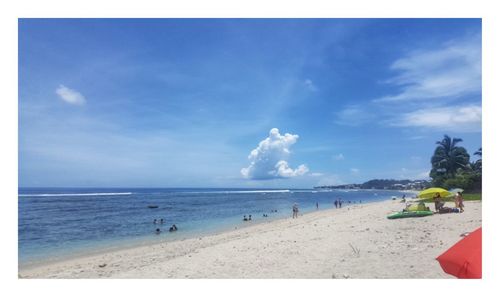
61 222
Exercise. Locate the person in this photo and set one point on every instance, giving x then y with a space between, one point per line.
161 221
249 217
438 202
295 210
245 218
158 230
173 228
337 203
154 221
317 205
340 203
459 201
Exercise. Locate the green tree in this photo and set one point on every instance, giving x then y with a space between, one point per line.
447 159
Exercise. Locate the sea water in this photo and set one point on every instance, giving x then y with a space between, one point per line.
62 222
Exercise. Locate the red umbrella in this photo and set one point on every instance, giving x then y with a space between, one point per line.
464 259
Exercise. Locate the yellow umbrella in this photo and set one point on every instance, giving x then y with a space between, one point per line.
429 193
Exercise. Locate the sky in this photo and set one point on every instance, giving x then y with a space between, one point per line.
273 103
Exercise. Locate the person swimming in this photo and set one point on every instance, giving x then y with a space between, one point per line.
158 231
173 228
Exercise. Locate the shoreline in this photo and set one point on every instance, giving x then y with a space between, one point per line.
145 240
318 244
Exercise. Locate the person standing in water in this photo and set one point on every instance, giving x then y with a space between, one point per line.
295 211
317 206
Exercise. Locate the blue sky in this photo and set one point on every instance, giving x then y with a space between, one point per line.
242 103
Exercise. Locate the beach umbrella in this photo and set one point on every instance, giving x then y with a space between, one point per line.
456 190
464 259
429 193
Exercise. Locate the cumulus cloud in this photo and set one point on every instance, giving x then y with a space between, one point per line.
269 159
453 70
465 118
70 96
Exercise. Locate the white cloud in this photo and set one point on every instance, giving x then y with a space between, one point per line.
457 118
453 70
354 171
310 85
70 96
269 159
339 157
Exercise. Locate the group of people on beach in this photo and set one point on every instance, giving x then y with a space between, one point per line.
338 203
439 204
247 219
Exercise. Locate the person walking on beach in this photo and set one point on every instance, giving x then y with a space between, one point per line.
340 203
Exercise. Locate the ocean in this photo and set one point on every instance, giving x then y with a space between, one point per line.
55 223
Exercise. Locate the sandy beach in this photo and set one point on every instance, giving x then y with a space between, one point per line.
357 241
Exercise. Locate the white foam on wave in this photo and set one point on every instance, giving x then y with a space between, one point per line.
75 194
259 191
239 192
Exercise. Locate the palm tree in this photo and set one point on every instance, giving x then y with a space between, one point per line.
479 152
448 157
478 165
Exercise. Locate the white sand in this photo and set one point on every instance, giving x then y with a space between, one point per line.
316 245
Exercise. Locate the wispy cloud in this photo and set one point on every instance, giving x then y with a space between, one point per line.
269 159
330 180
354 171
310 85
70 96
339 157
353 115
457 118
316 174
452 70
